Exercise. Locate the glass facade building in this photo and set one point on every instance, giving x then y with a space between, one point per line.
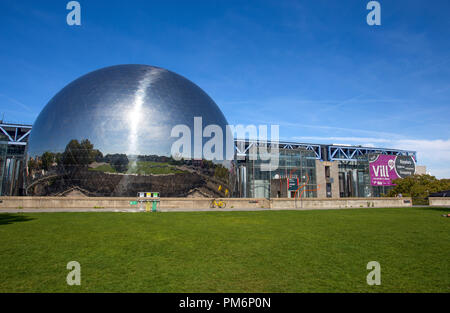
297 166
13 140
112 132
312 171
354 179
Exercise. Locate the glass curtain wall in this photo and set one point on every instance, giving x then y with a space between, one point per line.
296 165
11 169
354 180
3 150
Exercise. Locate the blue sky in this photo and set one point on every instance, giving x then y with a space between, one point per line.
313 67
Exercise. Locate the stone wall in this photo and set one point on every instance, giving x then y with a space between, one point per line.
322 180
167 204
327 203
439 201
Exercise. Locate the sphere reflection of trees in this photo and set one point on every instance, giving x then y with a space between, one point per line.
80 158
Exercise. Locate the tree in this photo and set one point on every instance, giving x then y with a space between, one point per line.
118 161
418 187
79 153
32 165
58 158
221 172
47 160
98 156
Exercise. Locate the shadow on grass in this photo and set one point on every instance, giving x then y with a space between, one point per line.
6 218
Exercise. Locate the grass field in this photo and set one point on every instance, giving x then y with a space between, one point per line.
148 167
105 168
141 167
264 251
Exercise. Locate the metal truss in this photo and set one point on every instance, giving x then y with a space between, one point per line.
16 134
350 153
335 152
243 147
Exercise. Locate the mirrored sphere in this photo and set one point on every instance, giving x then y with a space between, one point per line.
110 133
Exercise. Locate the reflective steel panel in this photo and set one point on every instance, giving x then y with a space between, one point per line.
108 133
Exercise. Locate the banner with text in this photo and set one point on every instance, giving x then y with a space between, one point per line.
384 169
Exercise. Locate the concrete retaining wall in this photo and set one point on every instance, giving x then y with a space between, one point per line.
65 202
203 203
439 201
326 203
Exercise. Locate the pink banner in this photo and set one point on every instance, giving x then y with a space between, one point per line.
384 169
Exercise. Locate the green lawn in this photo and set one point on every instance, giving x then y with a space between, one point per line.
105 168
264 251
141 167
148 167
